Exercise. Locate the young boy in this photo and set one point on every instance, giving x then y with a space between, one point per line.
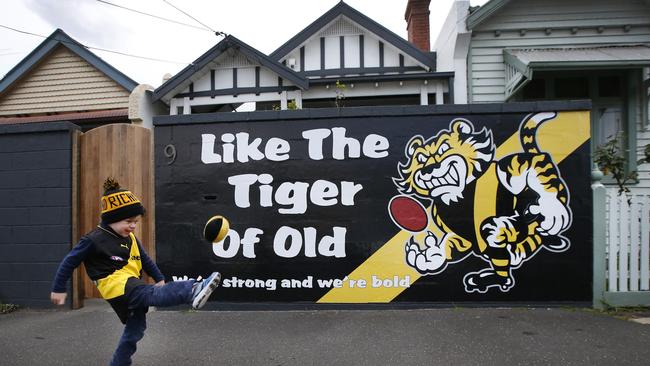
114 260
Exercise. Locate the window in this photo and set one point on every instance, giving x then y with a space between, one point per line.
571 88
610 86
608 124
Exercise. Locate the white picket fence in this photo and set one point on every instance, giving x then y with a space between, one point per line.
628 242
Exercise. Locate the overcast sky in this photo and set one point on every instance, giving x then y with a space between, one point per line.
263 24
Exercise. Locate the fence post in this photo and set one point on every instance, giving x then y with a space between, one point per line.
599 242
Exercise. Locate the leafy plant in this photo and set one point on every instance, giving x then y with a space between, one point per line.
610 159
7 308
291 105
340 93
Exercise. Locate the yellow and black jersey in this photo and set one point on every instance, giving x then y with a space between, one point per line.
113 262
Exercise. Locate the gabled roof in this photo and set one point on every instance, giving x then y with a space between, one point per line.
344 9
56 39
484 12
182 79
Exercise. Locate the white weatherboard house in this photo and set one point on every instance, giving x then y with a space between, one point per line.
372 65
530 50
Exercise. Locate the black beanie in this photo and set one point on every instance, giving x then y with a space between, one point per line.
119 204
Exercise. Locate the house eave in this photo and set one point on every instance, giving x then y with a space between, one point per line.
484 12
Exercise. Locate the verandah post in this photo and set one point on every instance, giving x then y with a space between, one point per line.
599 242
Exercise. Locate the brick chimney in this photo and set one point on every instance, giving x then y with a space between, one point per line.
417 23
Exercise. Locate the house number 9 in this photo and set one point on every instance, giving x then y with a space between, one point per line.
170 153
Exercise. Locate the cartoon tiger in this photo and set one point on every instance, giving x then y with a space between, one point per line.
529 211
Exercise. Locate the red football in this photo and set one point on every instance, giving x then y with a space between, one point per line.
408 213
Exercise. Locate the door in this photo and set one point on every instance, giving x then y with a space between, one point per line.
124 152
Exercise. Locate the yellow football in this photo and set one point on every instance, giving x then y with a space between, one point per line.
216 229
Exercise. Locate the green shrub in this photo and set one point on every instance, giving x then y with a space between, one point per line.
7 308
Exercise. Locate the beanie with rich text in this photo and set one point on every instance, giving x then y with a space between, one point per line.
118 203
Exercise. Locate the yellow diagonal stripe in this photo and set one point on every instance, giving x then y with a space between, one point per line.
385 263
559 137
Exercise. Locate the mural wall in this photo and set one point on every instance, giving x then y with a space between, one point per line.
365 208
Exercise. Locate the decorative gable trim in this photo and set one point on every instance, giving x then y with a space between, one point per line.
340 27
343 10
183 79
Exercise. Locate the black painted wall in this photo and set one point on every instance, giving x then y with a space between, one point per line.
203 170
35 208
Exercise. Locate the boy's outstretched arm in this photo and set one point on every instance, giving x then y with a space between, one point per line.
67 266
149 266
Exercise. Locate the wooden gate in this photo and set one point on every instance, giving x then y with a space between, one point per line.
124 152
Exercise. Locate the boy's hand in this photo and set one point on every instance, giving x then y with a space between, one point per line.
58 298
159 283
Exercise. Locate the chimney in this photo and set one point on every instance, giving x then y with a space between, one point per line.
417 23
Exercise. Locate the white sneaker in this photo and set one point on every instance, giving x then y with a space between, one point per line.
201 291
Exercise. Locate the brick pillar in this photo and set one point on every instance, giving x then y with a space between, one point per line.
417 23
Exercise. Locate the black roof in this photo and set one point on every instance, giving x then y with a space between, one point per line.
225 44
344 9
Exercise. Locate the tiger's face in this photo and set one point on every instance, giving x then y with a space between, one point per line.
442 166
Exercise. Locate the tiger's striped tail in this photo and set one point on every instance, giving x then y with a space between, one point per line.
528 130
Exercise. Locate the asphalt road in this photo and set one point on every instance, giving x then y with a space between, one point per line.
450 336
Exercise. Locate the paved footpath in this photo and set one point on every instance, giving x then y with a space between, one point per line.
450 336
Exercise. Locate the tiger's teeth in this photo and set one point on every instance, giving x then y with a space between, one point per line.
454 173
419 182
429 184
